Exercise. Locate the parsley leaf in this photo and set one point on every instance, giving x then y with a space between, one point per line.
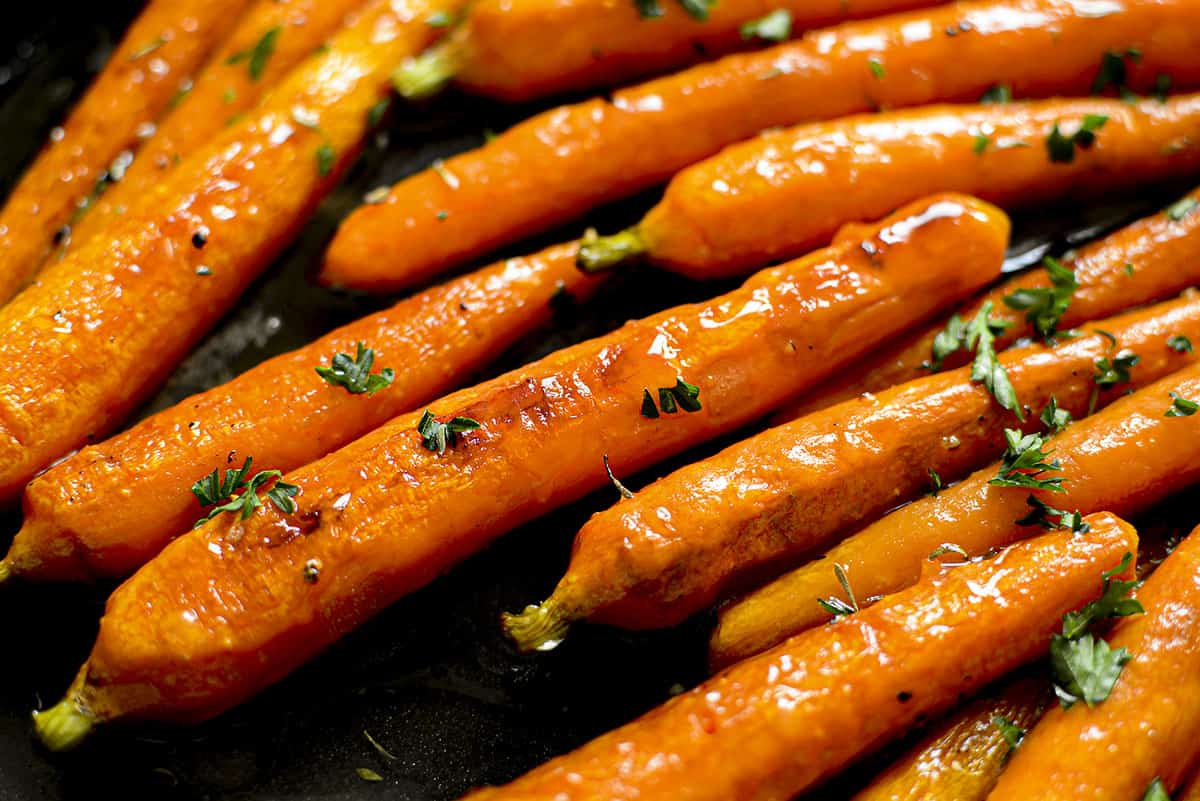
648 407
1179 343
1113 72
1043 515
648 9
836 606
1054 418
355 373
1114 601
978 335
1061 148
1085 669
210 492
1045 306
1116 371
681 396
774 27
1012 733
1156 792
437 436
697 9
256 57
1025 462
1181 406
948 340
1182 208
326 157
999 94
876 67
981 144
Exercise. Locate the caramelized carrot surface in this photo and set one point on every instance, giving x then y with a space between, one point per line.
1146 261
158 55
110 320
777 724
111 507
237 604
1124 458
553 167
1149 725
686 540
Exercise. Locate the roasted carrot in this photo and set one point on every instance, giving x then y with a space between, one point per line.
108 509
777 724
787 492
1191 790
1146 261
789 191
1150 721
158 54
558 165
520 50
1123 458
961 759
109 320
269 40
237 604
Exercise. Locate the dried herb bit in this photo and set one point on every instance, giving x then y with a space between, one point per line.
312 571
379 748
836 606
256 57
1024 463
437 436
621 488
368 775
211 491
1052 519
1011 732
148 48
935 483
1182 208
774 27
326 157
948 547
355 373
1045 306
1061 148
950 339
876 67
999 94
1054 418
1181 406
1162 87
648 407
1156 792
981 144
1179 343
648 9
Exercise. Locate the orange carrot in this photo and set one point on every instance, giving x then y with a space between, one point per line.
115 315
1150 721
269 40
239 603
1126 458
1149 260
111 507
554 167
158 54
777 724
765 502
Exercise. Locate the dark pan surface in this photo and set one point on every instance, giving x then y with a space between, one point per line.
430 680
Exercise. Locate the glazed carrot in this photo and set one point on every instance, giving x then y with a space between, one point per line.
1150 721
109 508
238 604
520 50
1124 458
158 54
789 191
777 724
268 41
1191 791
115 315
961 759
1149 260
558 165
767 501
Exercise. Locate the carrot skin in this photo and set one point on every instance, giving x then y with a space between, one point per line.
777 724
111 319
765 502
1150 722
1147 261
556 166
1124 458
230 610
222 91
501 49
789 191
111 507
166 43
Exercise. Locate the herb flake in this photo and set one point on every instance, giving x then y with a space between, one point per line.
1011 732
1181 406
774 27
354 374
222 494
437 436
836 606
1024 463
257 56
1045 306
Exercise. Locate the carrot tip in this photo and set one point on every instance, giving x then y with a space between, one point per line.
425 75
598 253
538 628
64 725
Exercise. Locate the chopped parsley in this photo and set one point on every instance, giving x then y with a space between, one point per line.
355 373
774 27
935 483
1182 208
1162 87
222 494
1051 519
1113 72
437 436
376 112
981 144
1045 306
648 407
978 335
648 9
1181 406
1024 463
1110 373
1061 148
326 157
1054 418
1156 792
1179 343
440 19
671 399
256 57
876 67
836 606
697 9
999 94
1011 732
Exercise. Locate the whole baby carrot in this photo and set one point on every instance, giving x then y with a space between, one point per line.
239 603
1146 261
789 191
522 49
559 164
268 41
1126 458
777 724
112 318
162 48
111 507
787 492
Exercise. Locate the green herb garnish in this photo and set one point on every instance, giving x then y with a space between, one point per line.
1011 732
981 144
325 158
876 67
256 57
978 335
948 547
1181 406
1046 516
1182 208
1024 463
836 606
355 373
1179 343
999 94
222 494
1054 418
1156 792
1045 306
1062 148
935 482
774 27
671 399
148 48
437 436
1113 71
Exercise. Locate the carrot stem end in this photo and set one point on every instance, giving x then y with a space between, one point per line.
425 75
64 725
599 253
537 628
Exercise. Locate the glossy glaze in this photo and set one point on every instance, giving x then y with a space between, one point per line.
221 92
555 166
1150 720
108 509
760 505
775 725
789 191
1124 458
1164 254
226 610
159 53
110 320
